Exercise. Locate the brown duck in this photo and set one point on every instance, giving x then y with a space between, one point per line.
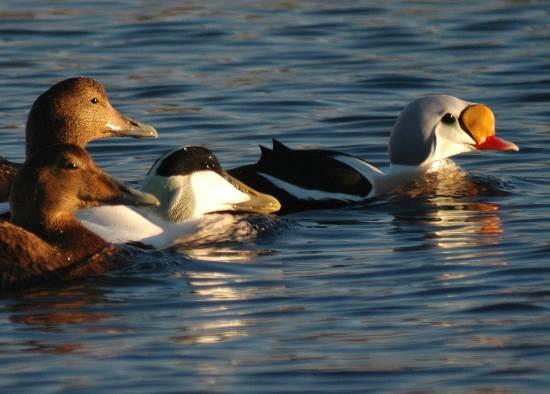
74 111
45 242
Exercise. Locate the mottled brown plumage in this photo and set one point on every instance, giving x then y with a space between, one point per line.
45 242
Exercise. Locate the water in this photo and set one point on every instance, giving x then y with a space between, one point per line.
443 292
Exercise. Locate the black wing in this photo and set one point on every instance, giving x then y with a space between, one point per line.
308 169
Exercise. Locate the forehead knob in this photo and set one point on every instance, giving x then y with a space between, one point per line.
479 122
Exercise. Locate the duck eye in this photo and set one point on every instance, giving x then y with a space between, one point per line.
70 165
448 118
94 100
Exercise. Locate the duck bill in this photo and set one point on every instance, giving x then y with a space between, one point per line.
479 121
123 126
259 202
131 196
495 143
113 192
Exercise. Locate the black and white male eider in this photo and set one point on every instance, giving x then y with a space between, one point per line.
428 131
190 183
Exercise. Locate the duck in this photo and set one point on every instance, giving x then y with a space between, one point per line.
74 111
44 242
192 187
428 131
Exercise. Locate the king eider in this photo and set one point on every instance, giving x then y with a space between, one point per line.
428 131
190 184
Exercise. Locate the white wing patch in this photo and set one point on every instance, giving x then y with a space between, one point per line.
310 194
213 193
364 168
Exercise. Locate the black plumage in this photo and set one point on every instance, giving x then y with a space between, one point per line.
315 170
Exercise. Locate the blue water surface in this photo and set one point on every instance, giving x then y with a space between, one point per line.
442 292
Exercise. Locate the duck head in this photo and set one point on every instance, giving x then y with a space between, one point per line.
61 179
436 127
76 111
190 182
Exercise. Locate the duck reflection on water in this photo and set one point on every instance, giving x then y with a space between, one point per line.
448 208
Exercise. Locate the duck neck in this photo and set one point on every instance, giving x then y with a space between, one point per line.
175 193
67 234
41 133
399 175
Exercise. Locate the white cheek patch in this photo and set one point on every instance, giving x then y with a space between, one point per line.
213 193
450 141
309 194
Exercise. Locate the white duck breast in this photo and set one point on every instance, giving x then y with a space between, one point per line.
189 183
429 130
213 193
119 224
